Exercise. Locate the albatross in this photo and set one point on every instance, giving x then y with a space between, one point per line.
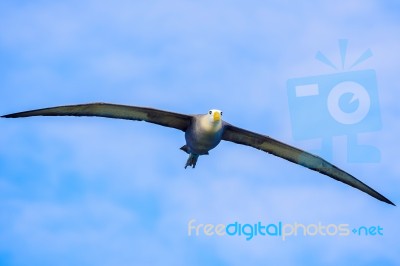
203 133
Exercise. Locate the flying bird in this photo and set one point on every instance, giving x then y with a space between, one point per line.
204 132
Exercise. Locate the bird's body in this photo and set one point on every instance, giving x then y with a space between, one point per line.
205 132
203 135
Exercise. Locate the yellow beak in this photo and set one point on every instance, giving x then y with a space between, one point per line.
217 116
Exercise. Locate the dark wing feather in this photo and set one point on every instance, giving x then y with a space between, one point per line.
164 118
290 153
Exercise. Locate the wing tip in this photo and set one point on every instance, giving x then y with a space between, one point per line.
14 115
8 116
382 198
389 202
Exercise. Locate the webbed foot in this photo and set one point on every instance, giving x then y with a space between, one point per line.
192 160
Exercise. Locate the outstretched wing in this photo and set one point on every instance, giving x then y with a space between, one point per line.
164 118
290 153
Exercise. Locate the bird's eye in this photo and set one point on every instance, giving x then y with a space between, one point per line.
210 112
221 113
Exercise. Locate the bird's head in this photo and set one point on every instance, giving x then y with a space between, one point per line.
214 115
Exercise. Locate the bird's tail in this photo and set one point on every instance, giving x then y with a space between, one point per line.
185 148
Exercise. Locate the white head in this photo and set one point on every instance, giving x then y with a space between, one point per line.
214 115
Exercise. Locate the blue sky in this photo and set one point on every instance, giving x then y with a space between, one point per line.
95 191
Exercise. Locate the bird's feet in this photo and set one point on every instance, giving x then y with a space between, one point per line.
192 160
